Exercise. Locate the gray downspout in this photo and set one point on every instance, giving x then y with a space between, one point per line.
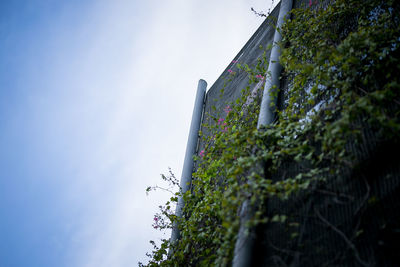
186 178
268 103
243 254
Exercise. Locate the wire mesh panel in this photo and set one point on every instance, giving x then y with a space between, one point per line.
349 219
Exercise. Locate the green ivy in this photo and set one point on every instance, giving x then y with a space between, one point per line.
343 65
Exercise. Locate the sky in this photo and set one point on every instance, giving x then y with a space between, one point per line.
96 99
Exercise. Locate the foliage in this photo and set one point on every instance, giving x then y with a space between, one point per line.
343 79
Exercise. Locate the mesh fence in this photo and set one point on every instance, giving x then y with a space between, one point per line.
352 219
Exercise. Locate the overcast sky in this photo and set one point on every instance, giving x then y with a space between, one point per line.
96 99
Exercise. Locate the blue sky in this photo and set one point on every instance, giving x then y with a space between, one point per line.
95 102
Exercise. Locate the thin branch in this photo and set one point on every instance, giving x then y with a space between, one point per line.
365 198
349 243
365 92
282 250
260 14
278 259
362 90
162 188
350 198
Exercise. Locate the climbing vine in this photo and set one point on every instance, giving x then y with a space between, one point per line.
341 66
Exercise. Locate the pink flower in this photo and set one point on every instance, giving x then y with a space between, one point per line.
227 109
201 154
230 71
220 120
310 3
224 128
155 219
259 76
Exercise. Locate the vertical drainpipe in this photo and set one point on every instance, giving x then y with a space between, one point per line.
244 247
268 103
186 178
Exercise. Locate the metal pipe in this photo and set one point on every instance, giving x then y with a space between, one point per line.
268 103
191 147
245 243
